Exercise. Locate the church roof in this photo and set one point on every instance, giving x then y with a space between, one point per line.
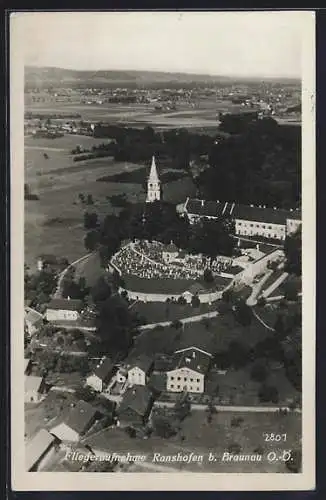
153 175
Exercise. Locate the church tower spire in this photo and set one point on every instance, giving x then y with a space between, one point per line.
153 184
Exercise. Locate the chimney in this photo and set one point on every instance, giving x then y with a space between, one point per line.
202 203
193 354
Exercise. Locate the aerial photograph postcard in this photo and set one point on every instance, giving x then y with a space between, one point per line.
163 250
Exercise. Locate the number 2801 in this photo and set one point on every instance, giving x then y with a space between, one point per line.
270 436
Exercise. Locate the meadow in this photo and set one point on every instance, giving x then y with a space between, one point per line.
133 115
54 222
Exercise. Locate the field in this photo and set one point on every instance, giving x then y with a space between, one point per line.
155 312
141 115
58 181
201 438
224 328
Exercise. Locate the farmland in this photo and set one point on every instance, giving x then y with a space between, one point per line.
201 438
54 222
140 115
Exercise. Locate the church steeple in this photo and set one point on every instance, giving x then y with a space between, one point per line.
153 184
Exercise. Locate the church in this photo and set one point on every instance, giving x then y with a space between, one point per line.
153 184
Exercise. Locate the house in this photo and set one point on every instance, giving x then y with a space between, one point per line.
64 310
27 366
122 374
80 419
33 321
189 371
249 220
39 449
34 388
170 253
139 370
135 406
101 376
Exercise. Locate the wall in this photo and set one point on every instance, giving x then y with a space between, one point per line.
257 267
253 228
55 315
136 376
205 298
95 382
189 379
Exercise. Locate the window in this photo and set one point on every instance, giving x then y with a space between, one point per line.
263 226
198 379
185 379
198 389
178 386
179 378
190 388
251 225
172 386
191 380
240 223
172 378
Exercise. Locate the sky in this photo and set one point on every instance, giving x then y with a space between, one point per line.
216 43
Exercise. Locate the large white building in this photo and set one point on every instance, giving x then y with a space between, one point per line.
189 370
64 310
153 184
249 220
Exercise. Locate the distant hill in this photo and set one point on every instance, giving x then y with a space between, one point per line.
37 76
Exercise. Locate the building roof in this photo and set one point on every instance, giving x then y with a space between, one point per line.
136 398
66 304
104 369
153 175
37 447
195 336
143 362
33 383
204 208
32 316
81 416
194 360
171 247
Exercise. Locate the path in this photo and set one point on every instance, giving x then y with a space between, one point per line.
57 293
189 319
241 238
229 408
62 388
262 321
252 299
275 285
45 148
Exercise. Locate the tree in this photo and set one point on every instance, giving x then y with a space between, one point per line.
101 291
294 464
177 324
89 200
268 393
237 354
164 426
261 302
258 372
90 220
85 393
290 291
234 448
208 276
243 313
195 301
293 253
91 240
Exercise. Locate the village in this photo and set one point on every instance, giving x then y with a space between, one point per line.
174 370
